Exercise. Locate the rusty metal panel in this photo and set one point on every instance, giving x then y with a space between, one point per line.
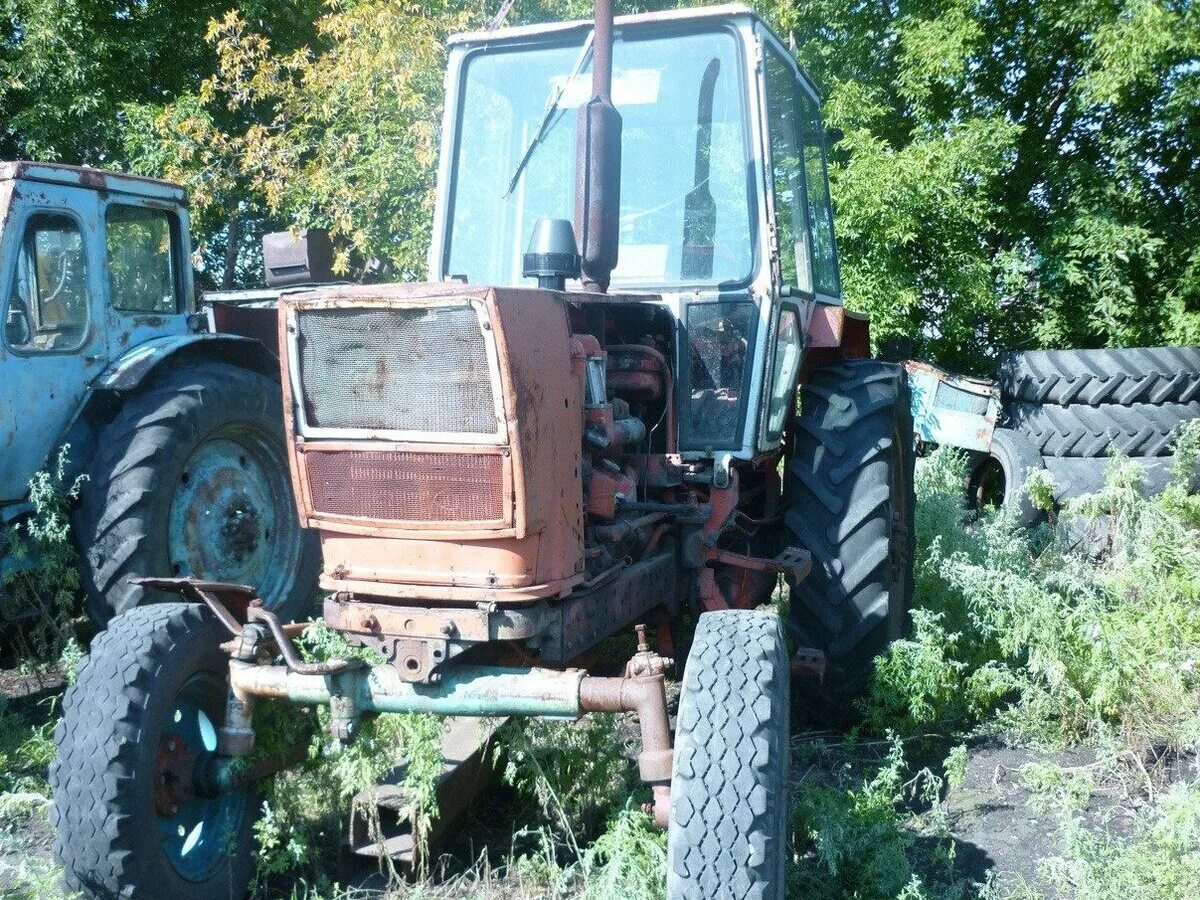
536 548
409 487
952 409
257 322
95 180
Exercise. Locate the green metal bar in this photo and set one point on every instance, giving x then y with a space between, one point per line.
463 690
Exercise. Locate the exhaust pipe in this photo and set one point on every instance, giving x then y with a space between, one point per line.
598 163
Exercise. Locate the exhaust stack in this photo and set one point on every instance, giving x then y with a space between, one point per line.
598 163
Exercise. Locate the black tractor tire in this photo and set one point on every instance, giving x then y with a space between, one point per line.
1093 377
727 835
998 478
1074 477
1140 429
191 479
850 504
143 686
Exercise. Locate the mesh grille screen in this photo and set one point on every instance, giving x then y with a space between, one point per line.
414 487
398 369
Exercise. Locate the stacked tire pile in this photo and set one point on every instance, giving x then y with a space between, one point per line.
1071 411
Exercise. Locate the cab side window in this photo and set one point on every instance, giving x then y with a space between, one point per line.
820 212
787 173
48 303
142 273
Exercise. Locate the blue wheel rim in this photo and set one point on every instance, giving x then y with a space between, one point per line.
232 517
203 833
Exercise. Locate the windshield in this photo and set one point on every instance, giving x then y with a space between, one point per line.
685 175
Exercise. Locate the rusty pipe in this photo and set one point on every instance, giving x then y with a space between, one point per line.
294 662
655 539
645 696
620 530
602 51
598 163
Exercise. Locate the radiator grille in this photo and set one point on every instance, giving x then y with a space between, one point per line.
396 369
412 487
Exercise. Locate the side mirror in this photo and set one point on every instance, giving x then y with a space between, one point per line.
16 328
833 136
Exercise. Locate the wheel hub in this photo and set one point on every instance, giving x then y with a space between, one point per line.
192 829
222 523
175 763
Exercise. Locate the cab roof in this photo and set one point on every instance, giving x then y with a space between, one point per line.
726 11
93 179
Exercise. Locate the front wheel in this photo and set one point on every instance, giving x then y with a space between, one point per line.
727 836
142 716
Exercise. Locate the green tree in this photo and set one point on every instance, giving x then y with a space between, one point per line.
1015 173
70 69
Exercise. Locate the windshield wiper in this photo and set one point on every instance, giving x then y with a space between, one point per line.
548 119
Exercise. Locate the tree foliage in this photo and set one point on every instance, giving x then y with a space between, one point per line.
1014 173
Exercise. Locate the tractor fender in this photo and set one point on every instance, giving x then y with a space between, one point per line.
131 370
836 334
138 367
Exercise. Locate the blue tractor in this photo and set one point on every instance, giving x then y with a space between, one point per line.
175 424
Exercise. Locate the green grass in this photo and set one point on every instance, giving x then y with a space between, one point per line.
1029 637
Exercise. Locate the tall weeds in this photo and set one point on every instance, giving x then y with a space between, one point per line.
1086 627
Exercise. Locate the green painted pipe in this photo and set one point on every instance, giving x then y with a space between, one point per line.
463 690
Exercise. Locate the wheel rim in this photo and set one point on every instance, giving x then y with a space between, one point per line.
197 834
988 485
232 518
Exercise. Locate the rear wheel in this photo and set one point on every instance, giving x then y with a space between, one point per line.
139 721
727 836
1094 377
999 477
191 479
851 505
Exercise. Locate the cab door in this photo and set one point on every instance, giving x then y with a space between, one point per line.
54 341
146 271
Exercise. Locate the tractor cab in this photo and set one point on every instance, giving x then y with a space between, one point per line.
724 208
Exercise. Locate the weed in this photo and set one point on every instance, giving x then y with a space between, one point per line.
39 584
575 771
628 861
301 815
1059 640
857 837
1159 861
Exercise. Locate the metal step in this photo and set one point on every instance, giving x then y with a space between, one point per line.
466 770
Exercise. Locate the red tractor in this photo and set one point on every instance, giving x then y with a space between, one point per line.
570 429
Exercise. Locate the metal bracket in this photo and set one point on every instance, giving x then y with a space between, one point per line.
809 661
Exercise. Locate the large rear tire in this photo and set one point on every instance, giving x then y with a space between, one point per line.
147 703
1094 377
191 479
851 504
727 836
